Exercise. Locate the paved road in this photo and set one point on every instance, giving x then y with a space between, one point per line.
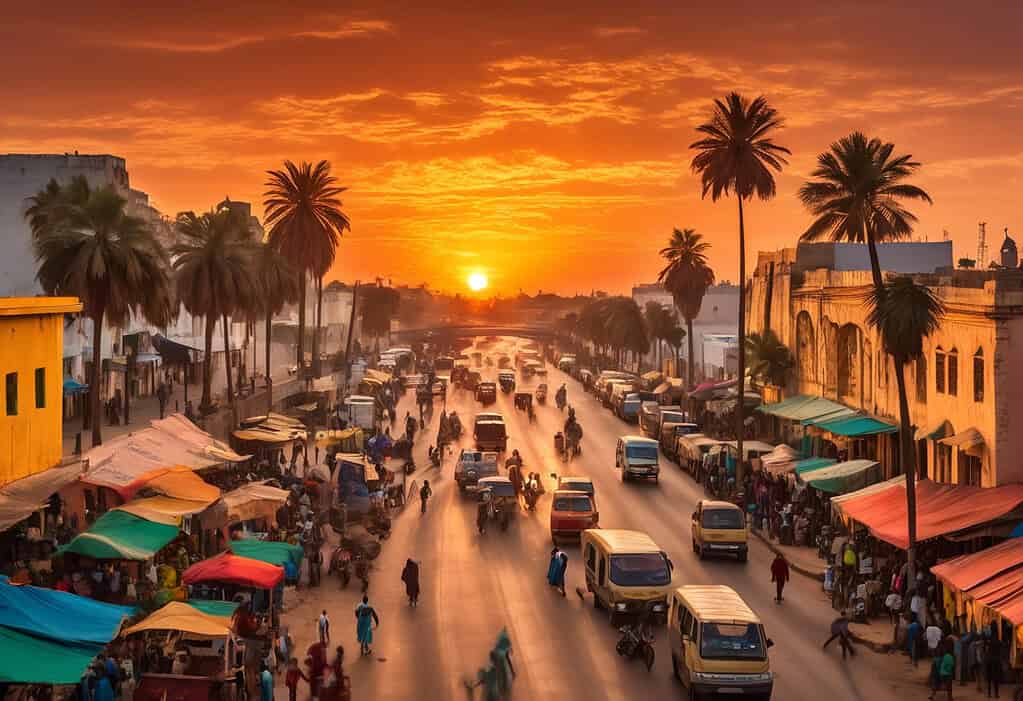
473 585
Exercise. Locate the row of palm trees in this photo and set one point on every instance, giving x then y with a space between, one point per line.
89 246
857 194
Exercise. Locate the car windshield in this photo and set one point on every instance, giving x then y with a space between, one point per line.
731 641
723 518
490 430
641 452
577 486
646 570
572 504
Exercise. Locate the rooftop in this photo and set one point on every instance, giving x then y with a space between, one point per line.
36 306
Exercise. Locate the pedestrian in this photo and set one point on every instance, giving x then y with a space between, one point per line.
944 669
893 602
316 660
779 575
978 660
323 627
266 684
104 690
933 636
556 570
162 395
840 630
291 678
913 640
993 670
365 617
424 494
918 607
410 575
336 686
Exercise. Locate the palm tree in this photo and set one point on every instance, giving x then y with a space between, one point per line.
378 305
626 327
214 276
687 277
306 222
278 285
657 321
856 196
768 358
736 157
87 246
905 313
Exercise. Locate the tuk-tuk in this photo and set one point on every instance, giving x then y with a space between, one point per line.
502 497
523 401
541 393
486 392
472 380
507 381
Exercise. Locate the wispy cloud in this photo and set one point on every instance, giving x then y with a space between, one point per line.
614 32
349 29
211 45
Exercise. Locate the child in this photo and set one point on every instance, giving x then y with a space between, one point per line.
291 678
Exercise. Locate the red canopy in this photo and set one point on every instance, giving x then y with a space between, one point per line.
968 571
940 509
244 571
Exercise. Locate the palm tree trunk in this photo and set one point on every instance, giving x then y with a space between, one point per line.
227 359
906 445
97 379
739 406
301 325
316 329
875 264
269 381
691 361
207 366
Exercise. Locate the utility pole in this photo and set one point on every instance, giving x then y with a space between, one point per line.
351 331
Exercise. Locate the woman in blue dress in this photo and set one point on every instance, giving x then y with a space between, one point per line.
365 618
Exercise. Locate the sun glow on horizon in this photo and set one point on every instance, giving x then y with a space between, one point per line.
477 282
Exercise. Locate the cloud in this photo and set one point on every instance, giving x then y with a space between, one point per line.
212 45
614 32
349 29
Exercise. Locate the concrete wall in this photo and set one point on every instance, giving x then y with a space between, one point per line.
907 257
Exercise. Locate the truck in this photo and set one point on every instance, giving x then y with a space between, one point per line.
360 411
489 432
472 465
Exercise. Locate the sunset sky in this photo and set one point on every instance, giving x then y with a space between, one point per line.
543 144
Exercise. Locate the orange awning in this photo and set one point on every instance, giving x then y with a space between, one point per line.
968 571
941 509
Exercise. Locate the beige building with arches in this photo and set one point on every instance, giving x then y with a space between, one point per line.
965 393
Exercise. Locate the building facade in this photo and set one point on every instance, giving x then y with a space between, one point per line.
965 392
31 383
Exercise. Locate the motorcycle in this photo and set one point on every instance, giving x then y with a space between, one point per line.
824 543
341 563
362 571
636 643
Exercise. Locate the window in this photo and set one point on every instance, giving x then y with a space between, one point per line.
953 372
11 389
602 572
970 470
40 388
921 379
591 557
728 519
640 570
939 371
978 376
732 641
942 463
687 620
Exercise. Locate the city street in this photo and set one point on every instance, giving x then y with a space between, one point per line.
475 584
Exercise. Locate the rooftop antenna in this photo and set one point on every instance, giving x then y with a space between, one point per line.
981 245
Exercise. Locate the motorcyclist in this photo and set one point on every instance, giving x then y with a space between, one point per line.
410 426
454 425
483 510
561 397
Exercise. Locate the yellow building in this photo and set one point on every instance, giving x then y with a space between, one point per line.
31 383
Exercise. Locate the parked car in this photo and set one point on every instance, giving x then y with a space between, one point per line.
571 514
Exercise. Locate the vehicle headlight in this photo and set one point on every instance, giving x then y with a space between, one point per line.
620 606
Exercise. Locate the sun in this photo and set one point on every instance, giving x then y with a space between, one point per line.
477 282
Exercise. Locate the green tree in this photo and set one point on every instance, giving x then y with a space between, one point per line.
378 305
659 322
737 156
278 285
303 212
905 313
89 247
768 358
214 271
626 328
687 277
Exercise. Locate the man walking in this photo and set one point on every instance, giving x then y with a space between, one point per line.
424 494
840 630
162 395
779 575
323 627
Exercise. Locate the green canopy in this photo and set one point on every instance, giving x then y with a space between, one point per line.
26 659
854 426
811 464
225 609
844 477
119 535
804 408
273 552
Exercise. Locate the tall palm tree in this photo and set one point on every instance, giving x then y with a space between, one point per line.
905 313
303 212
857 196
687 277
87 246
768 358
213 269
737 156
278 285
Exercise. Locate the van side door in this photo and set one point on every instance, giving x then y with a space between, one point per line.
688 660
590 558
697 520
618 453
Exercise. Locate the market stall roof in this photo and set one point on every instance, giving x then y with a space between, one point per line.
934 431
967 571
780 460
180 616
274 552
839 499
810 464
119 535
377 375
330 437
181 483
661 388
844 477
272 428
61 616
20 498
1003 593
941 509
747 446
234 569
26 659
966 441
163 509
221 609
253 500
854 426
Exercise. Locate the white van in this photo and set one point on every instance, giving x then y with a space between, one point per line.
360 411
637 457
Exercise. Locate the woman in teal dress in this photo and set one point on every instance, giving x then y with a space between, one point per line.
365 618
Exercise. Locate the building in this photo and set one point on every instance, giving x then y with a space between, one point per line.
716 323
965 393
31 387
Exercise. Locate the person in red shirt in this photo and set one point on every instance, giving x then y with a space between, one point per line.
779 574
291 678
316 660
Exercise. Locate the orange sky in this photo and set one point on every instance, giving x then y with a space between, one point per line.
544 144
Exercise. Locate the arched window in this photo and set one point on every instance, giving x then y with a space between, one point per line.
953 372
978 375
939 370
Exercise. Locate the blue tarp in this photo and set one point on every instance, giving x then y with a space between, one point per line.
60 616
854 426
72 386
